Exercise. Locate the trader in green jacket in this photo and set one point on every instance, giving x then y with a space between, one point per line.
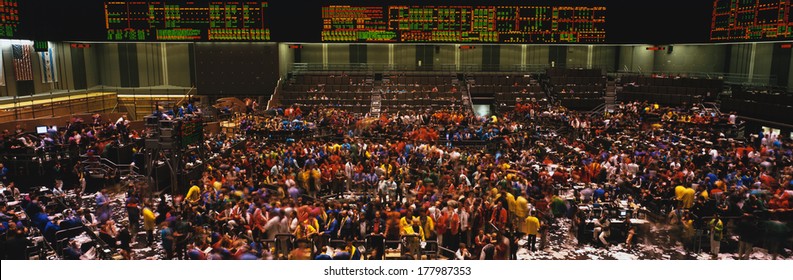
716 233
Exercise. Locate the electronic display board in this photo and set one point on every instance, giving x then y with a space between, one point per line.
190 132
468 24
9 18
173 20
395 21
751 20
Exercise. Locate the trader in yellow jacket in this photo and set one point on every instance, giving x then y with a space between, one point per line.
679 192
193 194
685 196
688 198
521 211
531 227
413 229
511 202
149 225
428 225
410 229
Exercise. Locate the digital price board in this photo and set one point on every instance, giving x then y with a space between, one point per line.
736 20
466 24
9 18
396 21
181 20
190 132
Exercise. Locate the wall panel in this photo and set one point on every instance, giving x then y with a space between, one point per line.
236 69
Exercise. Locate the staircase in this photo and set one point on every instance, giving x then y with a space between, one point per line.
611 96
100 167
597 110
741 130
545 84
374 110
711 107
466 97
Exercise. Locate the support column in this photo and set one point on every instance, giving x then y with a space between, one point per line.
391 56
325 56
286 59
523 56
164 54
589 50
457 57
751 62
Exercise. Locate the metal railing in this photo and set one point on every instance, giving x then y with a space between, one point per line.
734 78
452 254
597 110
186 95
468 95
127 171
451 68
153 96
56 104
276 90
711 106
99 99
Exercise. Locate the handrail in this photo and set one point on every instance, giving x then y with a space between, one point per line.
727 77
441 248
45 95
100 159
118 166
450 68
185 95
597 110
468 93
711 105
776 124
494 226
114 108
275 91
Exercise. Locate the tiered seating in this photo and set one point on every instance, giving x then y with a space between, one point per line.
350 91
419 90
771 105
764 97
417 78
668 91
506 90
332 78
353 91
580 89
489 85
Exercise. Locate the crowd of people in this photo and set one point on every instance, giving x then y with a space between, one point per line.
405 180
77 135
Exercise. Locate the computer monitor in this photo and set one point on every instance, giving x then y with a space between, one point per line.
41 130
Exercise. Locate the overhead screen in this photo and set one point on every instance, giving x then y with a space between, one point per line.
399 21
186 21
9 18
470 24
751 20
